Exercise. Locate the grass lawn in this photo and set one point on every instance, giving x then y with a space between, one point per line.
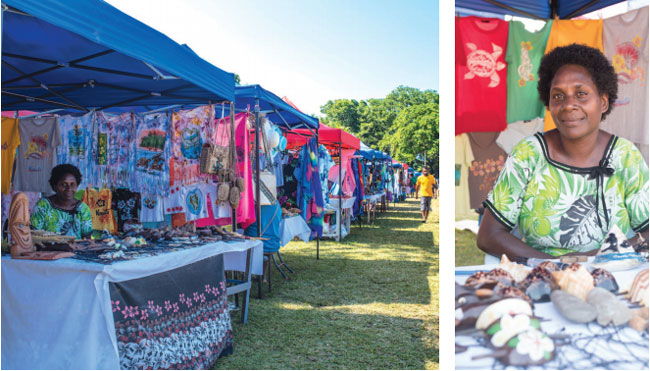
466 251
370 302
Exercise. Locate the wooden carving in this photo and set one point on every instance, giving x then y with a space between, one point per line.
19 226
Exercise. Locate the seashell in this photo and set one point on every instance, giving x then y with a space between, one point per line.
575 282
490 279
512 292
638 292
538 284
501 277
476 278
495 311
518 271
609 308
573 308
549 266
604 279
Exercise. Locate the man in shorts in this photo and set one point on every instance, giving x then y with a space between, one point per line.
424 189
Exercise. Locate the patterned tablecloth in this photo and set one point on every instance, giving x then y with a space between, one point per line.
162 311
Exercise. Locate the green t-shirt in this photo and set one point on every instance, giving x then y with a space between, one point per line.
76 222
525 50
554 205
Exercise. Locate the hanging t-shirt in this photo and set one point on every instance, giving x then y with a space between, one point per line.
99 202
481 74
488 162
114 150
464 158
75 143
625 40
219 209
518 131
152 154
127 207
151 210
525 50
10 141
175 202
39 138
190 130
195 202
568 31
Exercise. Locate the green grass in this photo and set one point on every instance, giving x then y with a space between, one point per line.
467 253
370 302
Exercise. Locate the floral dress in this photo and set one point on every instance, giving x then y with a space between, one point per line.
75 222
559 208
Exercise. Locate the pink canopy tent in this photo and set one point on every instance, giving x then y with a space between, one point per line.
327 136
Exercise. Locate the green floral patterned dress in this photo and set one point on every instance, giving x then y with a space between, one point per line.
76 222
559 208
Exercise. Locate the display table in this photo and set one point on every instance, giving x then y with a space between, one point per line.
291 227
343 215
370 206
170 310
582 346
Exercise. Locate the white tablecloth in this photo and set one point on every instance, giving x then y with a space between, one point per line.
57 314
294 226
590 346
373 198
348 203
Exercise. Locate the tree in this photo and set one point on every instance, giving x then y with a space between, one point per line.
342 113
404 123
237 79
416 134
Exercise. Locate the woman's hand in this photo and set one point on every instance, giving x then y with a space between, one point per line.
495 239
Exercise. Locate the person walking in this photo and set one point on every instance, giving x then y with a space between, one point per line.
424 189
413 180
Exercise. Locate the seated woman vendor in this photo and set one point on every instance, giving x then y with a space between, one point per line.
61 213
565 189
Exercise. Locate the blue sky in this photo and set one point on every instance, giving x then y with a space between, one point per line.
308 50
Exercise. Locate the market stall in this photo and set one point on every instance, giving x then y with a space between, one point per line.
341 146
269 113
85 60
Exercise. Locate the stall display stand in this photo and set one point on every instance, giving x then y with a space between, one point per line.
343 213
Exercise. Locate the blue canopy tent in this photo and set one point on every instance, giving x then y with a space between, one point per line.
84 54
276 110
536 9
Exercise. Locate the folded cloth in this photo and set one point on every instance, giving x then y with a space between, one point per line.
44 255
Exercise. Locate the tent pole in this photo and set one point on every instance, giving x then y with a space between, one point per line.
70 101
340 216
258 204
233 141
317 235
28 98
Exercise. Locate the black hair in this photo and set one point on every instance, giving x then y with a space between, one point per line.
601 71
60 171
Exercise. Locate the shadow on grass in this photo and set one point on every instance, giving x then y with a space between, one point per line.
321 338
340 281
370 302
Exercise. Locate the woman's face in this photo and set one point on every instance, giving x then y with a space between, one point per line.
574 103
66 187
